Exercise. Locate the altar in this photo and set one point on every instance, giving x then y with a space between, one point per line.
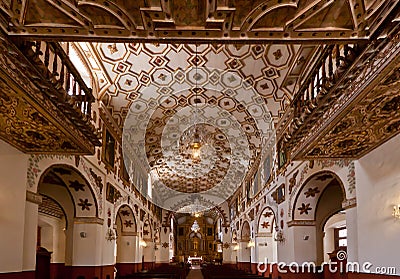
195 260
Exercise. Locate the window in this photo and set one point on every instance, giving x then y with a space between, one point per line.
340 237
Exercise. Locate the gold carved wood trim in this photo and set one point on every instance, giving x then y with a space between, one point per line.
30 121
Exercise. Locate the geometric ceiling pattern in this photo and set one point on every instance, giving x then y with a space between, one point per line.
156 92
131 68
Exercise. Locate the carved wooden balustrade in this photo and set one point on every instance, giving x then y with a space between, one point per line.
54 64
50 101
316 92
327 71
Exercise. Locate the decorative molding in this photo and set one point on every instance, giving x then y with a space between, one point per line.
129 234
33 197
88 220
301 223
350 203
264 234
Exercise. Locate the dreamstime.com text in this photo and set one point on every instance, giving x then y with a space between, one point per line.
333 267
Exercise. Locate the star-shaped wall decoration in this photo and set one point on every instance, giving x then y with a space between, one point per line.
84 204
76 185
267 214
304 208
128 223
311 192
125 212
265 225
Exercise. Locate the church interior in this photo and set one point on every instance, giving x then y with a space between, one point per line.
199 139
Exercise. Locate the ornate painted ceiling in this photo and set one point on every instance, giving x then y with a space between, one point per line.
234 93
228 20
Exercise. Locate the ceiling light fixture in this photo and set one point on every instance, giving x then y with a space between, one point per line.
194 139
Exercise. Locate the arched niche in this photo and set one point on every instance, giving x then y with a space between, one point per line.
321 196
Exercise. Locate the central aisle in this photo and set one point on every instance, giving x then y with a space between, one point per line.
195 273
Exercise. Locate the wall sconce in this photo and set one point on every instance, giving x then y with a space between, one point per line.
142 243
396 211
110 235
279 236
236 247
82 234
251 244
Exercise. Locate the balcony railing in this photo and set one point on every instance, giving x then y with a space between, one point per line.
328 70
54 65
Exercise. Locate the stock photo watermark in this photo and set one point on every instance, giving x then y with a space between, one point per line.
341 266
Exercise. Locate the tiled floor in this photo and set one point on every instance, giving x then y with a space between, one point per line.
195 273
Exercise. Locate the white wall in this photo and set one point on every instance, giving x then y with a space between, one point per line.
378 190
13 165
336 221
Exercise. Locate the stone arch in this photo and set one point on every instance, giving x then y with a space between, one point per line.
308 196
245 233
266 221
234 236
147 229
321 195
78 188
126 219
69 188
126 226
222 215
167 218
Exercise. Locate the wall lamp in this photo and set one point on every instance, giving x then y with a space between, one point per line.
142 243
396 211
236 247
251 243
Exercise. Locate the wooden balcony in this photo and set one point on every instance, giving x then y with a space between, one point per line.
44 102
346 105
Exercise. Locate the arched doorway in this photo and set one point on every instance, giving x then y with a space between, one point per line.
334 235
127 241
320 197
244 249
266 246
68 203
51 239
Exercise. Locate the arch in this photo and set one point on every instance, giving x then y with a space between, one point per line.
260 12
307 198
78 188
245 233
234 236
222 215
266 221
147 229
167 218
125 219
